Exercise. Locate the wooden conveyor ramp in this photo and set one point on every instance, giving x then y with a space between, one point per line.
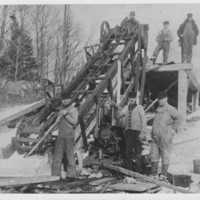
109 71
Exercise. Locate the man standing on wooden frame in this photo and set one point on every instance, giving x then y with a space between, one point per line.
163 39
187 32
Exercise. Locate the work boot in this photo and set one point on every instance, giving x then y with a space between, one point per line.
154 168
163 178
164 169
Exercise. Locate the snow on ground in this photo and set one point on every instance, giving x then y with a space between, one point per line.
185 149
17 165
5 135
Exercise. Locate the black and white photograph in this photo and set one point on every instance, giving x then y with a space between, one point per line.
99 98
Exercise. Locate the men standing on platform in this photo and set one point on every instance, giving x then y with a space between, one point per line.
163 39
167 120
187 32
135 131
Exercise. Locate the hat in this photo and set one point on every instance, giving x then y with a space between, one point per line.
65 95
12 16
189 15
132 13
132 95
166 22
162 95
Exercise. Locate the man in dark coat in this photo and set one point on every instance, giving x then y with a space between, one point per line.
187 32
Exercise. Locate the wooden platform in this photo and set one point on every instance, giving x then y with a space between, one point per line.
138 187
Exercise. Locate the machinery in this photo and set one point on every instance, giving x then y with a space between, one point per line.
114 67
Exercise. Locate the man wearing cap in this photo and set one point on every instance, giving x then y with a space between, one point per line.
166 122
135 131
128 25
187 32
64 149
163 39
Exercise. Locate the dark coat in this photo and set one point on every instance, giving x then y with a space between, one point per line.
194 27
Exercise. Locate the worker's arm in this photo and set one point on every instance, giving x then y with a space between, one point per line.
170 37
54 126
176 116
119 111
124 21
196 30
143 120
158 38
180 31
72 116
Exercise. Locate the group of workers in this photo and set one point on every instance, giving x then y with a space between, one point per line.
166 122
187 33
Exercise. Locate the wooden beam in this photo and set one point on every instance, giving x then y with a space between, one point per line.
172 67
18 181
195 101
182 93
119 65
104 83
22 112
140 176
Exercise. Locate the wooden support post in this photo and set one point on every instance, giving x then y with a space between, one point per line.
182 93
83 133
195 101
119 65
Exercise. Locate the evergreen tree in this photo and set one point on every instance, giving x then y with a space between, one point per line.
18 61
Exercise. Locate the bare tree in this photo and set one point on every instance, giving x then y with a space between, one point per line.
3 25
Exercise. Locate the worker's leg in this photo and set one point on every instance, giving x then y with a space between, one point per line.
165 144
57 157
182 59
69 151
155 156
129 150
166 47
190 41
120 134
185 49
137 145
189 53
156 52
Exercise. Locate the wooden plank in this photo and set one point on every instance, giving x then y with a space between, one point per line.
172 67
142 177
102 181
23 139
22 112
29 129
138 187
17 181
182 93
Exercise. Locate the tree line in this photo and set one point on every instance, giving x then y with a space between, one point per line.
39 41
